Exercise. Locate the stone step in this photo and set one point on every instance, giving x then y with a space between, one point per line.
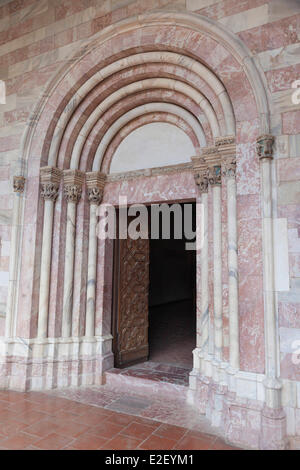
156 378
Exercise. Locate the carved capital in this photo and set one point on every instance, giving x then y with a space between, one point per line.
229 167
50 182
73 181
212 158
215 175
95 182
19 184
200 174
264 146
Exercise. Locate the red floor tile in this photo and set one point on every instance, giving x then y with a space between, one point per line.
89 442
108 430
170 432
122 443
191 442
121 419
137 430
17 442
42 428
157 443
30 417
53 442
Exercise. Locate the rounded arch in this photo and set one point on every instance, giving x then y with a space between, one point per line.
183 32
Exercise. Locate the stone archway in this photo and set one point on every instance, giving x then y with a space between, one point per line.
215 90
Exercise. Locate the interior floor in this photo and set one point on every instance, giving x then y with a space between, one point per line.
172 333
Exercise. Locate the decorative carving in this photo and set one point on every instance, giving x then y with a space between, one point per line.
73 181
19 184
95 195
49 191
95 182
229 167
50 182
225 141
72 192
264 146
215 175
200 171
202 181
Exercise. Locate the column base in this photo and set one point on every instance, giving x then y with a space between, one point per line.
273 423
45 364
238 410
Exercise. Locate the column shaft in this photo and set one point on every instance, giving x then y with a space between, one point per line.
233 274
69 271
19 185
92 273
217 241
204 278
45 269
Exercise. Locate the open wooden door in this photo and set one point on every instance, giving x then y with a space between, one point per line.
131 292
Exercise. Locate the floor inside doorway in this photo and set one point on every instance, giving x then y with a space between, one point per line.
172 333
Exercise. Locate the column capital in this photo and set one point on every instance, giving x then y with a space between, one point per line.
73 181
264 146
200 172
229 167
212 158
50 181
95 182
19 184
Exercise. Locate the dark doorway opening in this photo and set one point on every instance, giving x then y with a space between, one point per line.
154 292
172 298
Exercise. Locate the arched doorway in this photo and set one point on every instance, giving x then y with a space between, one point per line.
202 79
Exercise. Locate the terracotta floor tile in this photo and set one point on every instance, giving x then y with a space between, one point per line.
170 432
11 397
53 442
10 428
137 430
18 442
72 429
108 430
190 442
30 417
22 406
89 442
157 443
7 415
91 419
122 443
42 428
121 419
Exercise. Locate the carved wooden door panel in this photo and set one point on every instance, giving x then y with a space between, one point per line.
131 302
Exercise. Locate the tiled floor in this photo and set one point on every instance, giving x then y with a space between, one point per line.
40 421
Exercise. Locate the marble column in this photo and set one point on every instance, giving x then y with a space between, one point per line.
50 182
18 188
73 181
272 383
201 179
213 161
227 149
95 184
